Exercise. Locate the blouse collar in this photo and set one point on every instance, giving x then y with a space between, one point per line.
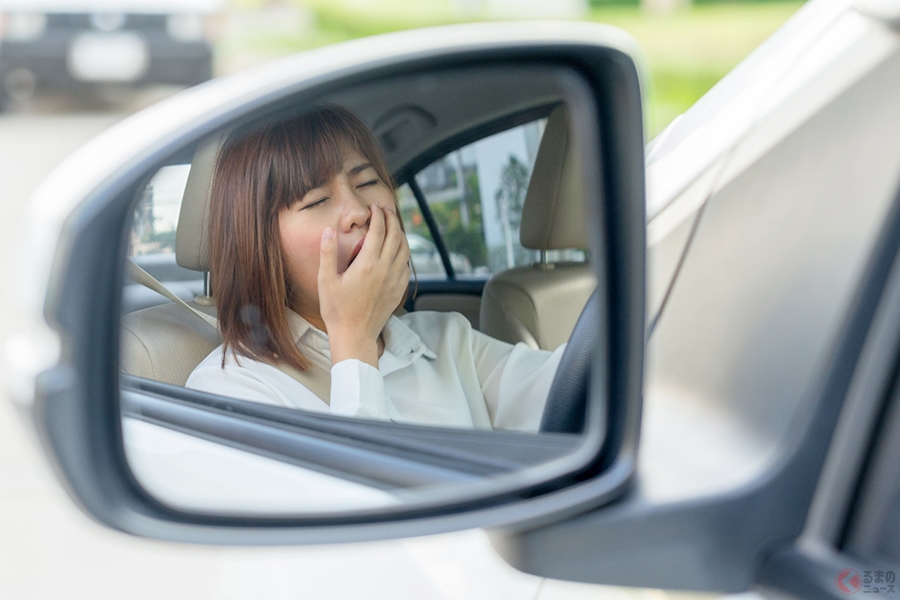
399 339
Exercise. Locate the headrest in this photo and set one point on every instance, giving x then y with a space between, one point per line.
553 214
191 236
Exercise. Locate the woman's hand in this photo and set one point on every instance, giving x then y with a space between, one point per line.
356 304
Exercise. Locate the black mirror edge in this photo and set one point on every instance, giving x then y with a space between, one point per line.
76 409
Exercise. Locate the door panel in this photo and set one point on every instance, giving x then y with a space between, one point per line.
448 295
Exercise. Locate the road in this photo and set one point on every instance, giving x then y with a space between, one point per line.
48 549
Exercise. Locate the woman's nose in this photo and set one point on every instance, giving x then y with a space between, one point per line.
354 210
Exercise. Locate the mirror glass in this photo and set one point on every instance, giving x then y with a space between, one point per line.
359 300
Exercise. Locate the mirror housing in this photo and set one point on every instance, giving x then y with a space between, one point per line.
78 244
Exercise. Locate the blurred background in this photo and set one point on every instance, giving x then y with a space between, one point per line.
118 55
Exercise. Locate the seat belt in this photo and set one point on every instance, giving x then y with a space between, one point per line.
315 379
139 275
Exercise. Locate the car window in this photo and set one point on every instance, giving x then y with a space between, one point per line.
424 253
476 194
152 241
156 216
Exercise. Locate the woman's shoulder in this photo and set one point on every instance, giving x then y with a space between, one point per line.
240 377
232 363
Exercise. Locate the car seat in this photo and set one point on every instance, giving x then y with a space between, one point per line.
167 342
539 304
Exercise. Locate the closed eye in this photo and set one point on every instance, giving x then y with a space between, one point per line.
367 183
315 203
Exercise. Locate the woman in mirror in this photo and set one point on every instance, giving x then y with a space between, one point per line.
309 263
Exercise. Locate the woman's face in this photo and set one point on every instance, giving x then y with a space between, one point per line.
342 203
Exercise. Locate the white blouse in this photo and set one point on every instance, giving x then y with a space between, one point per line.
435 370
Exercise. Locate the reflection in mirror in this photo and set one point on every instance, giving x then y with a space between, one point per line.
361 303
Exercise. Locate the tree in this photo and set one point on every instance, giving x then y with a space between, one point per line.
510 198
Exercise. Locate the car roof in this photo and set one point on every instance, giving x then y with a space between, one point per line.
413 114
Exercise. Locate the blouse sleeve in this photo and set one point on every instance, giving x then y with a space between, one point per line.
259 382
357 390
515 381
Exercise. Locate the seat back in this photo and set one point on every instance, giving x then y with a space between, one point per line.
167 342
539 304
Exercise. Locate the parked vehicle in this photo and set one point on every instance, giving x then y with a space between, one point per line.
85 45
724 417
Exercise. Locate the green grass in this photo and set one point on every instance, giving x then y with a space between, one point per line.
687 52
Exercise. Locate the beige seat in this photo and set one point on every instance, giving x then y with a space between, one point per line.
166 342
539 304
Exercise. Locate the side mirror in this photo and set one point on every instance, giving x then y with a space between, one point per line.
424 94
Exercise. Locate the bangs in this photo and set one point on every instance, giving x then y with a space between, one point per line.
308 152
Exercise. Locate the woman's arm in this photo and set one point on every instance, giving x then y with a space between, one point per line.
515 380
357 389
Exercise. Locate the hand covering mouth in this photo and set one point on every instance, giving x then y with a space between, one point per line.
356 251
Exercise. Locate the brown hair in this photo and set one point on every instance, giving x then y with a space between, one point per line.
257 175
